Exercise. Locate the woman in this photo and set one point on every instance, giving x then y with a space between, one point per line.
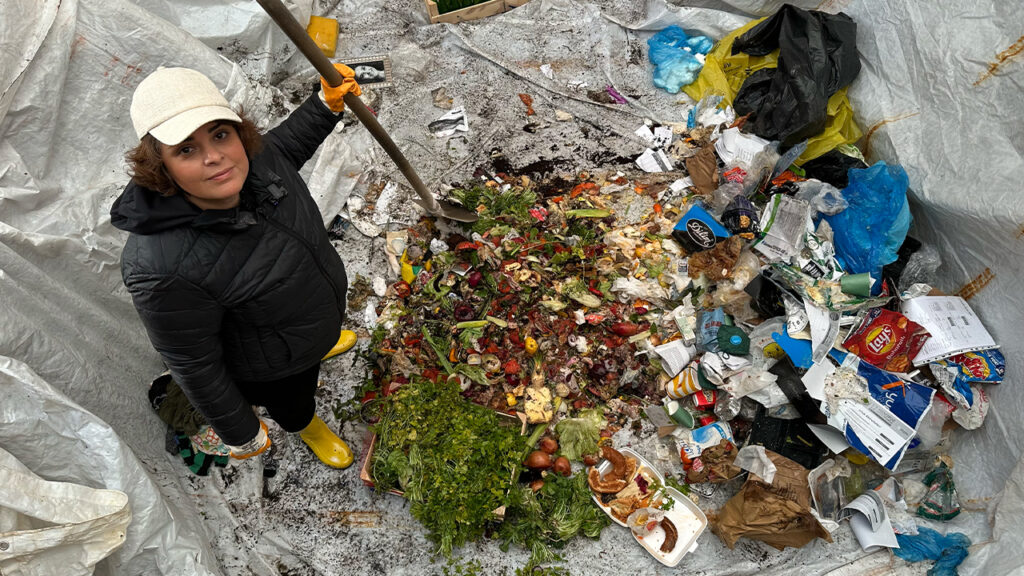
367 73
228 262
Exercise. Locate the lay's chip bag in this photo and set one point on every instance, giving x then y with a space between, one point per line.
887 340
983 366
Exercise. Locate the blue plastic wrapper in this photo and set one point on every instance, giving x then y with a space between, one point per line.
908 401
674 55
948 551
869 233
710 322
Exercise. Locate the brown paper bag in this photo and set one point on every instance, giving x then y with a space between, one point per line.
778 514
703 170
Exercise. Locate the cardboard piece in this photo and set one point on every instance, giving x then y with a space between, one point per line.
778 514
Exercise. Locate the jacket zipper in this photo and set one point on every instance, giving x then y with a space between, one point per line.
308 247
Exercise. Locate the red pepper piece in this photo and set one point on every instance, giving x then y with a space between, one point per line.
624 329
512 367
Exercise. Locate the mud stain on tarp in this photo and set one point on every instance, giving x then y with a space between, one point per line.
1002 58
879 124
360 518
972 288
832 6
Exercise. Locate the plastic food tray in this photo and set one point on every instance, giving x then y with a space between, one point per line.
689 520
641 463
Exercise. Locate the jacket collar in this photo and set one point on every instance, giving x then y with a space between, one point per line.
262 191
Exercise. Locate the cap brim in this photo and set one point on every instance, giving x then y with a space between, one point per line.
180 127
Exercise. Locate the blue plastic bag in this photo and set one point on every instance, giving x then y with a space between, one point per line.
948 551
871 230
674 55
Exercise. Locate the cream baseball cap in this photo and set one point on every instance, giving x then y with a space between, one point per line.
172 102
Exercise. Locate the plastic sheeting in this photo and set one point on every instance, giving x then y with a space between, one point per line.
938 93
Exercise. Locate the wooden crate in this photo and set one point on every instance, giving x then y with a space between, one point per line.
489 8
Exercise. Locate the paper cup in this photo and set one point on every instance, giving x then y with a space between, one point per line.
857 284
680 414
684 384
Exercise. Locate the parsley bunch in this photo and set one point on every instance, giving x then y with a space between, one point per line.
540 521
454 460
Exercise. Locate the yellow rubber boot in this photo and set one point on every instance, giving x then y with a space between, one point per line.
330 449
345 341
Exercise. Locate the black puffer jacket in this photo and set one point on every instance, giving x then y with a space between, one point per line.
254 293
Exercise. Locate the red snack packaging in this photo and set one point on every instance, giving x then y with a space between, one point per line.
704 400
887 340
706 420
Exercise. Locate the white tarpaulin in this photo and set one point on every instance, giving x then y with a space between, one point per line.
939 93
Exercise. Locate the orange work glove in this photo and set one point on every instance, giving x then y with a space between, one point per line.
335 95
254 447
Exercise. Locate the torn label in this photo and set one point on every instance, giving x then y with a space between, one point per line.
452 122
654 161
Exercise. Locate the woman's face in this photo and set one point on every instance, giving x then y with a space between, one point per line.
210 165
365 72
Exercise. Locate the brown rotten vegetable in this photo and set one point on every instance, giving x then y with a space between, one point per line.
549 445
627 328
538 460
562 466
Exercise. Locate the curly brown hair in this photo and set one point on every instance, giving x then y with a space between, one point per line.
147 169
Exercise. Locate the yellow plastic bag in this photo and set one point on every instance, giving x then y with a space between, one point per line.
725 72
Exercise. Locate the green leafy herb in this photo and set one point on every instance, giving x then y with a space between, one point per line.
671 480
540 522
454 460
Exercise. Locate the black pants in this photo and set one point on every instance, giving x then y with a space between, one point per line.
289 400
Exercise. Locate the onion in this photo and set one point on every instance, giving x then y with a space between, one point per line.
562 466
549 445
538 460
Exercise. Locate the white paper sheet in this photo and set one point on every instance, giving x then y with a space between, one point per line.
882 433
814 378
654 161
675 356
869 522
824 330
954 327
830 437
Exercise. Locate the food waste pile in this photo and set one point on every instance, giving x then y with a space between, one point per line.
747 294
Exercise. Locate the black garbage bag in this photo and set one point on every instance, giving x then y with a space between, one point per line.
817 57
833 167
